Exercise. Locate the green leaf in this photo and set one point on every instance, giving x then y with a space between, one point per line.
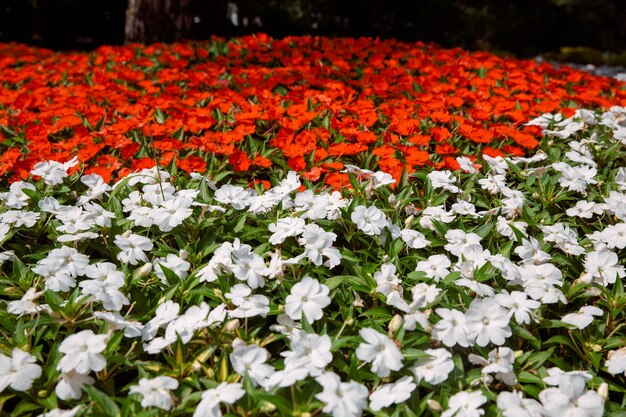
103 402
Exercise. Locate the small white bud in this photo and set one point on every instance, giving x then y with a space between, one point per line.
395 324
144 270
603 391
433 404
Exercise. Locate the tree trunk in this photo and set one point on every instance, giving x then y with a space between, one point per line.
149 21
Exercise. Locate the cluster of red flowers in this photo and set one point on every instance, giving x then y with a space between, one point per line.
304 103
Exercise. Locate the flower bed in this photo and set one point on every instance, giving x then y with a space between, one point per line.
294 252
257 104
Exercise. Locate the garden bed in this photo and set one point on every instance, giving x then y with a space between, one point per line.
307 225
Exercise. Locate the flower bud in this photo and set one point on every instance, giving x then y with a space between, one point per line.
433 404
350 322
144 270
395 324
392 200
603 391
231 326
217 292
183 254
409 221
596 348
12 291
268 408
127 233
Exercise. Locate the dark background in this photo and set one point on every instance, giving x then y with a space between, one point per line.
523 28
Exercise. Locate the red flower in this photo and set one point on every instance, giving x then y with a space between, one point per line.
192 164
240 161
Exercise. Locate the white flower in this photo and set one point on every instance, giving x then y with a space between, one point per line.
443 179
248 305
133 248
394 393
513 404
571 399
458 240
493 183
435 369
466 164
251 360
235 196
341 399
81 352
53 172
27 304
165 313
224 393
174 263
71 385
18 371
370 220
309 351
57 412
530 251
284 228
386 279
156 391
171 213
487 322
414 239
584 209
116 321
380 351
248 266
517 304
616 362
602 267
465 404
583 317
437 213
499 362
451 330
307 297
16 198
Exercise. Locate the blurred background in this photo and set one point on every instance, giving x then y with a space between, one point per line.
587 31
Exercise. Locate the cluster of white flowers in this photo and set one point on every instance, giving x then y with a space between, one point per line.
318 287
